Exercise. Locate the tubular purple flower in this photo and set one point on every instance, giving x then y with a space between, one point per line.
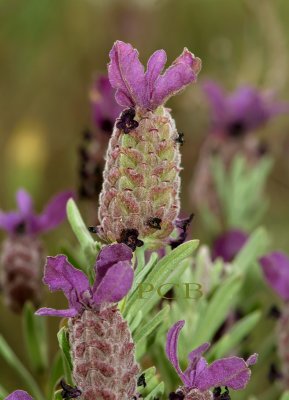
275 267
232 372
101 344
141 185
228 245
22 255
242 111
19 395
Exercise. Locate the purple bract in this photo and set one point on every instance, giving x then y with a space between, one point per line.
105 109
150 89
276 271
232 372
242 111
19 395
25 220
114 277
228 245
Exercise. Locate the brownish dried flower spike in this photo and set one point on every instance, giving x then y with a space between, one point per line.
141 179
21 267
191 394
103 354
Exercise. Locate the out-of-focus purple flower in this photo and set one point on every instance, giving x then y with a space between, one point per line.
242 111
114 277
150 89
26 221
19 395
232 372
105 109
228 245
275 267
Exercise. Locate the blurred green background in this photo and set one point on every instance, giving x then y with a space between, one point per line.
50 50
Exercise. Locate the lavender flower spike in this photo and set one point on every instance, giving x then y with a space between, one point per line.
242 111
199 377
19 395
104 366
22 252
141 185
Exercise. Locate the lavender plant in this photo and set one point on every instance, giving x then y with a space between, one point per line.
107 332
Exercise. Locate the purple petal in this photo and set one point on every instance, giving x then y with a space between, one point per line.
232 372
155 66
198 352
61 275
108 256
276 271
252 360
183 71
217 99
19 395
51 312
9 221
53 214
228 245
115 284
105 109
24 202
172 349
126 75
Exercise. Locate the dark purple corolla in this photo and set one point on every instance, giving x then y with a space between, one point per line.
114 277
232 372
275 267
19 395
26 221
105 109
242 111
228 245
150 89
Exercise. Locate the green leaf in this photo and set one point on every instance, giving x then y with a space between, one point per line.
3 393
255 247
57 395
158 391
217 310
143 331
64 345
10 357
56 373
285 396
234 337
35 338
89 247
166 269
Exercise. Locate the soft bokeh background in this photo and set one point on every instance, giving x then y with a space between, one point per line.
50 51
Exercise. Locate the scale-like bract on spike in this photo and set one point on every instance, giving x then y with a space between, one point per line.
104 366
141 179
21 262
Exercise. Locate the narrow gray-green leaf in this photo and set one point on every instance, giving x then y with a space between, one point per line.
143 331
35 338
234 337
10 357
158 391
217 310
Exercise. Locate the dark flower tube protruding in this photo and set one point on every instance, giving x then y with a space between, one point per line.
199 377
22 256
141 176
104 365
